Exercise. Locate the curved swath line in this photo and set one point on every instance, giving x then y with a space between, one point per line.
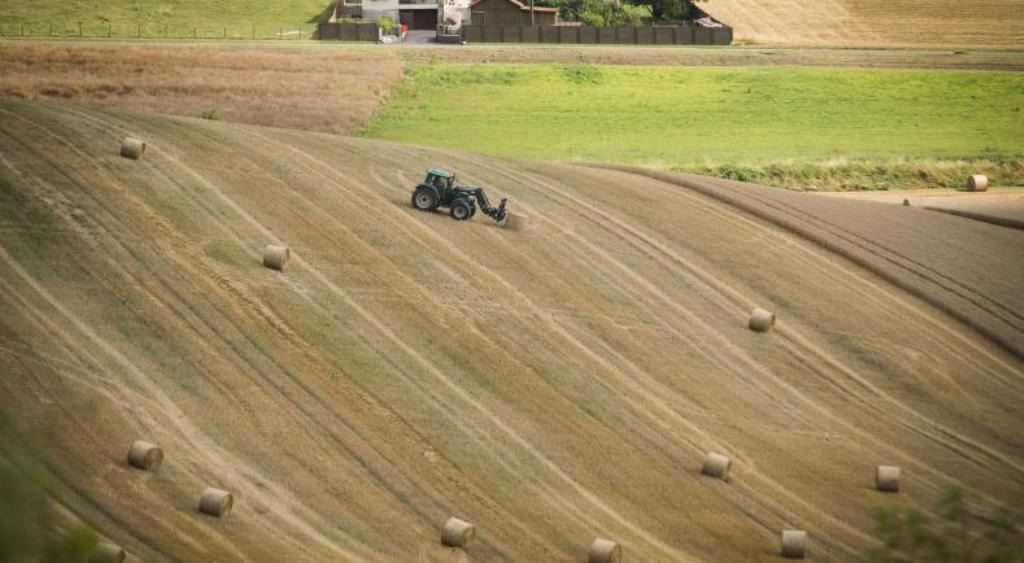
639 238
608 366
438 400
430 367
186 429
865 243
343 422
35 316
179 417
832 247
777 486
880 298
672 414
826 358
452 251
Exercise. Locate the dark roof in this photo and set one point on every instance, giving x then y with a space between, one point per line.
440 173
524 7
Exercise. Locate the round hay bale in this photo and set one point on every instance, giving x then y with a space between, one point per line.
906 202
516 222
761 320
887 478
145 456
133 148
275 256
604 551
977 183
106 552
216 502
716 465
794 544
457 533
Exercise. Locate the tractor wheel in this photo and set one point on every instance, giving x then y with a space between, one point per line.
460 210
425 199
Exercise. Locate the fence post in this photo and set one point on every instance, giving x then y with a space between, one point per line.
225 32
140 31
79 29
51 30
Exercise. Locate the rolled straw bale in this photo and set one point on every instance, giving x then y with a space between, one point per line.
516 222
887 478
977 183
906 202
145 456
133 148
106 552
761 320
716 465
216 502
793 544
457 533
275 256
604 551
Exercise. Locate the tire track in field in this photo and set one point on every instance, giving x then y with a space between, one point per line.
629 238
584 348
397 368
839 274
179 417
772 483
801 341
773 507
355 457
588 495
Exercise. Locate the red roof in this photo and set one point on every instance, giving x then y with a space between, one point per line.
523 7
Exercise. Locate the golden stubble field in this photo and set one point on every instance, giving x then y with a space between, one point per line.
882 23
552 385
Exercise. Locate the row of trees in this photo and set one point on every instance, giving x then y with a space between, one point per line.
621 12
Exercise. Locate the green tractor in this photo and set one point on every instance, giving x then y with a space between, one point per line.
438 189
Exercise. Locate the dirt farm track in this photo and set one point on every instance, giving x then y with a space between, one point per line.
552 384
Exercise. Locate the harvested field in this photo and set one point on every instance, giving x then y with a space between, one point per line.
315 90
904 23
551 386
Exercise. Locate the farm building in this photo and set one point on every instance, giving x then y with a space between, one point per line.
510 12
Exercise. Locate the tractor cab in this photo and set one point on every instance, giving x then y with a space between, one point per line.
439 179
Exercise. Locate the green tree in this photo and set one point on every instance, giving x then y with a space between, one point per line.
667 10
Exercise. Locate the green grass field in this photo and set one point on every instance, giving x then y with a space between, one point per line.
820 128
181 14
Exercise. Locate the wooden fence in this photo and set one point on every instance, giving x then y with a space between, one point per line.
348 31
648 35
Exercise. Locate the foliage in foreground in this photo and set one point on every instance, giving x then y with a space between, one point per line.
958 533
29 527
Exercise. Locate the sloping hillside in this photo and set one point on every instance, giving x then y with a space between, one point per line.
552 384
913 23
